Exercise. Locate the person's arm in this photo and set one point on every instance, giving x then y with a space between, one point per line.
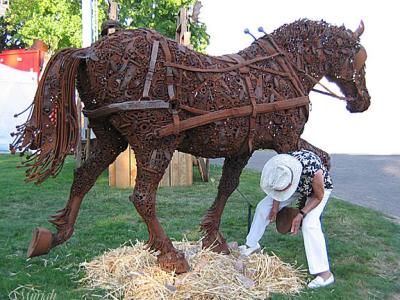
316 198
274 211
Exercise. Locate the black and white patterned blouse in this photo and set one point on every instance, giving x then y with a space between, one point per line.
311 164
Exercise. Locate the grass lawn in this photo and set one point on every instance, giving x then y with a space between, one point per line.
364 245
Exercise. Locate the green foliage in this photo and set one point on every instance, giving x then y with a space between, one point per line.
364 245
58 22
199 39
7 37
161 16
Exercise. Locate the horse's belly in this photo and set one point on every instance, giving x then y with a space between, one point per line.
219 139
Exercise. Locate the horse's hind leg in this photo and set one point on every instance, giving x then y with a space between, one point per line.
108 146
151 165
232 169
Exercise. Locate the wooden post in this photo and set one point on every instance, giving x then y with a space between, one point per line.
122 167
78 153
113 10
87 136
112 170
204 168
183 35
133 168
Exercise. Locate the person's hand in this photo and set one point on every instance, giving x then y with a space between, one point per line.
272 214
274 211
296 224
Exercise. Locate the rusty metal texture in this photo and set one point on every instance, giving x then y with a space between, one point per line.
143 89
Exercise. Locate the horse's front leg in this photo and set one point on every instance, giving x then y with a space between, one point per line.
151 167
232 169
303 144
108 146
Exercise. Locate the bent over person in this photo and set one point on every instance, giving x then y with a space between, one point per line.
286 178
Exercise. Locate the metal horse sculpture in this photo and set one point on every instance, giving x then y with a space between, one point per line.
142 89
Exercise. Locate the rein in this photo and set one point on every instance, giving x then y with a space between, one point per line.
331 94
289 68
327 91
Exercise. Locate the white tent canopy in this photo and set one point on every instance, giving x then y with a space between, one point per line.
17 89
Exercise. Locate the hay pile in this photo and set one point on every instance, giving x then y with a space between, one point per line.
130 272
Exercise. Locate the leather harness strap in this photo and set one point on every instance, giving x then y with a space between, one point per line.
194 110
253 116
170 75
125 106
177 122
150 73
235 112
226 69
288 65
241 63
174 105
250 90
202 118
271 47
207 117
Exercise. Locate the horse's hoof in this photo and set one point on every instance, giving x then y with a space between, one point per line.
40 243
173 262
216 243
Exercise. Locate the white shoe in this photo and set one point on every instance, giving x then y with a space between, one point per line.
242 248
247 251
319 282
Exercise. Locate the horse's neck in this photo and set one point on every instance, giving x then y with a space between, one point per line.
306 59
304 52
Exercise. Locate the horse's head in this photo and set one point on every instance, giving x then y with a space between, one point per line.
347 71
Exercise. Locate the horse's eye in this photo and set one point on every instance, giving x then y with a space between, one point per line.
46 110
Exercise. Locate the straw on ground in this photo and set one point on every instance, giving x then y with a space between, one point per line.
131 272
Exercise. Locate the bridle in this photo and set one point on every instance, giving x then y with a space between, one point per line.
359 61
327 91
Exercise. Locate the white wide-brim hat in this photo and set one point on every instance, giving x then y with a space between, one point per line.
280 176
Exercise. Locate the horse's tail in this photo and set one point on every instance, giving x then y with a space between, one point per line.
52 128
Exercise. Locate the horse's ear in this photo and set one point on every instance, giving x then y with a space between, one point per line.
360 59
359 31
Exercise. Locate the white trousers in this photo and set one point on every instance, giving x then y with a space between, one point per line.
314 240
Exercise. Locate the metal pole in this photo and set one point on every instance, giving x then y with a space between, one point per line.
249 207
113 11
87 37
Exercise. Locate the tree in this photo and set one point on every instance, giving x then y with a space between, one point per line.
161 16
58 22
7 37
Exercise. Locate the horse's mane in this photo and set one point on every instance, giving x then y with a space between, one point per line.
330 36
